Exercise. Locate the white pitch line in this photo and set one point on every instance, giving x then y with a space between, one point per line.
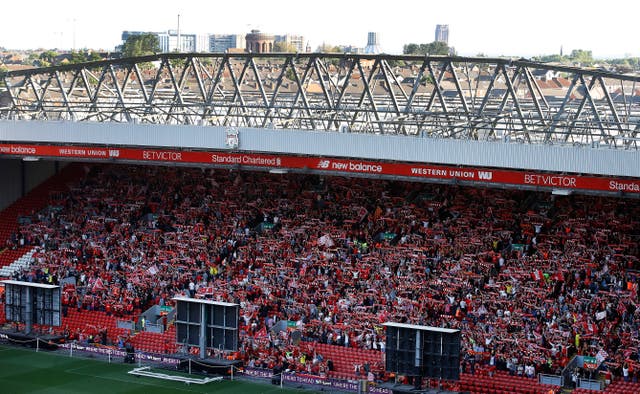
73 371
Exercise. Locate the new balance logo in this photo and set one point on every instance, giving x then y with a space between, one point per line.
324 164
485 175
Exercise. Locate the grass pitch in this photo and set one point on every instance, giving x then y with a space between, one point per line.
25 371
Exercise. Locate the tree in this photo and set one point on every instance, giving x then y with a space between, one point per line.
32 59
46 59
433 48
83 57
626 64
555 58
327 48
427 80
396 63
178 62
282 46
141 45
3 69
581 56
410 49
438 48
290 74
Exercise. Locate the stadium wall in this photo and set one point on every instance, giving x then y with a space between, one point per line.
19 177
510 155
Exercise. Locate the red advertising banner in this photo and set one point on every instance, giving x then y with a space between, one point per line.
411 170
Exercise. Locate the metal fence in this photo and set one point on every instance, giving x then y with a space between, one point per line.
556 380
590 384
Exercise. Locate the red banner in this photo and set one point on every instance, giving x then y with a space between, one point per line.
422 171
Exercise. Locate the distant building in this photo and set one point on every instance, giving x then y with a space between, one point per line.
373 43
169 41
296 41
544 75
226 42
442 34
351 49
13 58
258 42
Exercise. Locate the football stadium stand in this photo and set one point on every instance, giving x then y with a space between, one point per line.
530 278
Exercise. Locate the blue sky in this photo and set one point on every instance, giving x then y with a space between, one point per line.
492 27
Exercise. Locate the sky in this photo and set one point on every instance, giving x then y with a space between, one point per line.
490 27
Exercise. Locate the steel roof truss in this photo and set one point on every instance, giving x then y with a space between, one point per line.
342 91
416 85
366 80
14 102
534 90
463 99
524 108
276 89
386 70
209 107
120 101
263 94
562 110
325 90
583 102
237 95
593 104
301 92
612 108
437 91
505 97
141 82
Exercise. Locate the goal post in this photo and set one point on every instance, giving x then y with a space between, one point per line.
175 376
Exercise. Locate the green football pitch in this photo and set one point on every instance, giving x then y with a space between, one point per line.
25 371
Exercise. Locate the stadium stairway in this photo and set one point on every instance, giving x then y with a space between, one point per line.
34 201
19 258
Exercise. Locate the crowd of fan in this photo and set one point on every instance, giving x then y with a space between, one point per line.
529 278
